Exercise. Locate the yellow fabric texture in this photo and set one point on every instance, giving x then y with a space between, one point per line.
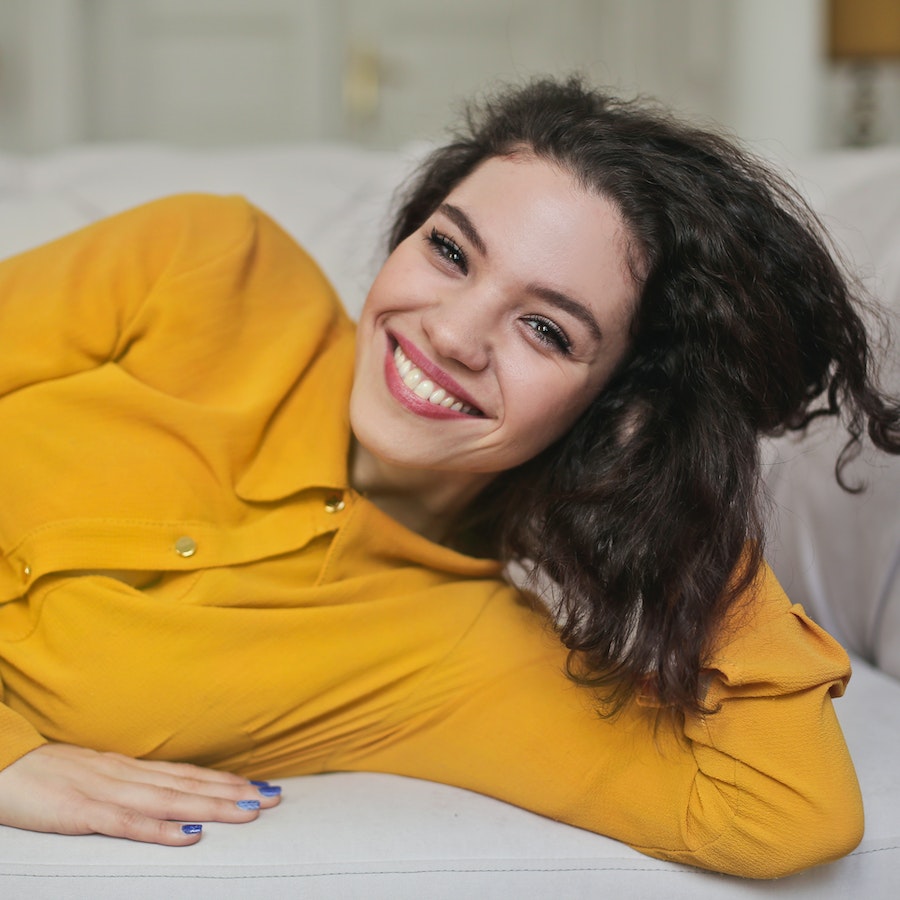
187 575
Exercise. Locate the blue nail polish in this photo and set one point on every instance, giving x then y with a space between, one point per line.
270 790
259 784
192 829
248 804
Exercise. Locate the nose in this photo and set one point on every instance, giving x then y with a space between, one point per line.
459 328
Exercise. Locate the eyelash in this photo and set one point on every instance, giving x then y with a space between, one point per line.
552 334
546 331
448 250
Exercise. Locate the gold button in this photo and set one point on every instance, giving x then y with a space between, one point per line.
185 546
27 571
334 504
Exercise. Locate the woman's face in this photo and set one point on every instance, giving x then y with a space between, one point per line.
490 329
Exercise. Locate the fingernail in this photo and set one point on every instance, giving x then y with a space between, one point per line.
270 790
248 804
259 783
192 829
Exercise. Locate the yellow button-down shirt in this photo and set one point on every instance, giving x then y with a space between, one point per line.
186 573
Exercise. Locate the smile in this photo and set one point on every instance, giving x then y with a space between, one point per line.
414 378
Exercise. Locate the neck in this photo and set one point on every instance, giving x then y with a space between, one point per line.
424 500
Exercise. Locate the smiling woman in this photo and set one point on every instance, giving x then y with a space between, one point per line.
292 531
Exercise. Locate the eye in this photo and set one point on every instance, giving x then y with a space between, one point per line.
447 249
548 332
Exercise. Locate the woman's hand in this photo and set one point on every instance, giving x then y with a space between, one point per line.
65 789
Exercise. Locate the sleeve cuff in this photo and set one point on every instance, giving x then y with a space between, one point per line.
17 737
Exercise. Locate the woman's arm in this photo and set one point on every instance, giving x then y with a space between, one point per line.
762 788
124 287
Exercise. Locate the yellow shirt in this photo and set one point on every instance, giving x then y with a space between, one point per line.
187 575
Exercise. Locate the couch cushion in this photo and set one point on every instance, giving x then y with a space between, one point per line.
836 553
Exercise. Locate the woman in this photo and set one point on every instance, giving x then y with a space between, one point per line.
241 537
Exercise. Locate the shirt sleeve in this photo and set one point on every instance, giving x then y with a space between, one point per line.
761 788
17 736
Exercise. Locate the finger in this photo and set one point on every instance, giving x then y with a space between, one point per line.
178 770
187 778
172 804
118 821
190 780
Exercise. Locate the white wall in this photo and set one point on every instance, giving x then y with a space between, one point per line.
754 66
774 79
66 73
42 100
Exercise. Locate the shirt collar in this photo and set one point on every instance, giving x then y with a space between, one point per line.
308 438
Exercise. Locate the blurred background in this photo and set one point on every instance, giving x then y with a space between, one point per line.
789 76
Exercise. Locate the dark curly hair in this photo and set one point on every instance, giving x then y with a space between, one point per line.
647 514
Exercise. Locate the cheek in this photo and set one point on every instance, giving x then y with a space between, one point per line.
372 302
552 405
381 282
395 272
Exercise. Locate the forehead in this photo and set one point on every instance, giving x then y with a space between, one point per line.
545 221
537 192
523 167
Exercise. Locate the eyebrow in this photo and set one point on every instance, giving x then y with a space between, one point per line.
465 225
555 298
567 304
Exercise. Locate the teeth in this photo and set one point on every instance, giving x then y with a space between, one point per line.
414 378
425 389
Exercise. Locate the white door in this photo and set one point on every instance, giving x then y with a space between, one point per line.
212 71
408 63
377 71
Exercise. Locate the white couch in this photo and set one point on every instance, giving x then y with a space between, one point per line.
377 836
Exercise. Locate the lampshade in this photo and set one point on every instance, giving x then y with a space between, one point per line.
864 29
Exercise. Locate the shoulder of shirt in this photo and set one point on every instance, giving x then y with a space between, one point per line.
217 211
206 225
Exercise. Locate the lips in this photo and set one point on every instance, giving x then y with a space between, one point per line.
422 387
